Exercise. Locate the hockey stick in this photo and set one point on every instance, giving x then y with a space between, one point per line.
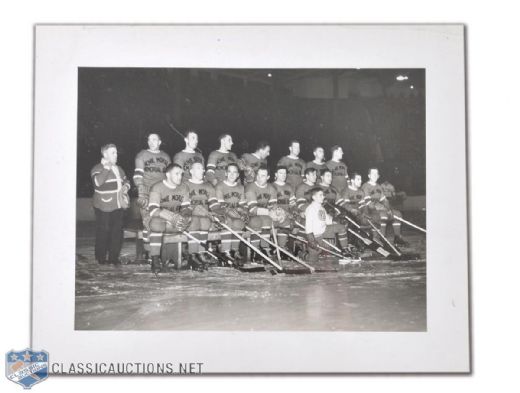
320 247
204 244
410 224
241 238
384 238
275 238
280 249
179 133
371 244
323 240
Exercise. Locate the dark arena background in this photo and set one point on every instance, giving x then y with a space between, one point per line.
376 115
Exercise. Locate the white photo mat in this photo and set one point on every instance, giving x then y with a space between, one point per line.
60 50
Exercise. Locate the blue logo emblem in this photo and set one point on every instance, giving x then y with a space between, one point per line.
27 367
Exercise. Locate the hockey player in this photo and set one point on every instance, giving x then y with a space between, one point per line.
250 162
377 203
286 200
319 160
150 165
218 160
295 165
395 198
170 211
261 197
203 200
329 191
302 195
319 225
231 196
338 168
189 155
109 200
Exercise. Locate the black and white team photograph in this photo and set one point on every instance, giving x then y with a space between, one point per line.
251 199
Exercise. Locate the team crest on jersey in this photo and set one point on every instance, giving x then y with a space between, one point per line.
27 367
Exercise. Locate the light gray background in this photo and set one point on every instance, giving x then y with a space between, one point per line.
439 49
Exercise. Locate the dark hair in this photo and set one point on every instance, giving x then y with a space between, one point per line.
172 166
313 191
104 148
356 174
372 167
222 136
261 145
334 148
232 164
279 167
189 131
263 168
325 170
316 148
309 170
293 141
154 133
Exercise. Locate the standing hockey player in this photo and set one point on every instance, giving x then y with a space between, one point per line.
231 197
150 166
261 198
170 211
109 200
218 160
203 201
319 160
319 225
186 158
338 168
302 195
250 162
377 203
295 165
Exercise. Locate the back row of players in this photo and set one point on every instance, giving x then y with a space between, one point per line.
170 190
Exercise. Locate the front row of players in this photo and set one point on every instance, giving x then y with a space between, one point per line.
196 207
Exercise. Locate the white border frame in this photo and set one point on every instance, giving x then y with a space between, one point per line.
438 48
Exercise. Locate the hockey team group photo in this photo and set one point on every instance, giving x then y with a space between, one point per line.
251 199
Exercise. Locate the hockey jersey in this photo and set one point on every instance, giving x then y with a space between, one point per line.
303 197
150 167
339 174
351 199
186 160
257 196
230 196
249 160
295 168
284 195
202 194
164 196
319 167
217 163
330 192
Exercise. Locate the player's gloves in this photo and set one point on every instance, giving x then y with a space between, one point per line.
278 215
311 241
142 196
178 221
219 212
142 202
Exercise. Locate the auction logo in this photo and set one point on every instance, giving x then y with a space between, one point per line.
27 367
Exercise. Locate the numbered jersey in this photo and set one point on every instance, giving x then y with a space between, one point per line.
257 196
295 168
185 160
339 174
164 196
284 195
217 164
230 195
150 167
